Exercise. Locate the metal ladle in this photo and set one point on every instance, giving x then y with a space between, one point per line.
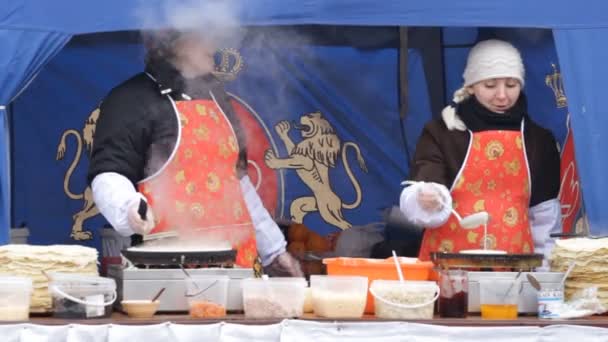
534 282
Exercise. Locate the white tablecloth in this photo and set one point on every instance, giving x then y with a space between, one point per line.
297 331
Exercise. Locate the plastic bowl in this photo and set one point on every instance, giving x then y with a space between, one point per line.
140 308
407 300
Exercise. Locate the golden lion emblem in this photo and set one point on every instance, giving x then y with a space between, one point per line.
88 209
311 159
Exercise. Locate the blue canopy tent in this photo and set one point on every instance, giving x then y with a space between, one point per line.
33 32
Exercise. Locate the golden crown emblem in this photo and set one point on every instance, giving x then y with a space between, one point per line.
230 64
556 83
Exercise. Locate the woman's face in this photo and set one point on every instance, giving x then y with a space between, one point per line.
497 94
194 55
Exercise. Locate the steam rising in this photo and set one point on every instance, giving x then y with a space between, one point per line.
217 23
215 20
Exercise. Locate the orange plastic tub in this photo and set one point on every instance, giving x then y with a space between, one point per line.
382 269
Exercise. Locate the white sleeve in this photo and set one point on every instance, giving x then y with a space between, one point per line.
545 219
114 194
270 240
408 203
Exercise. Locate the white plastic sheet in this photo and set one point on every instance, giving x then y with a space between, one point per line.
297 331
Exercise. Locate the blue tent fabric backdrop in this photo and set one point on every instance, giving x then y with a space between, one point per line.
33 31
79 17
16 71
583 56
354 88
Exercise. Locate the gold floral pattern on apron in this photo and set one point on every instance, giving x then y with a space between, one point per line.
490 180
494 150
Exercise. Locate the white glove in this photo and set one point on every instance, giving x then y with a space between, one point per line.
136 223
284 265
429 198
425 204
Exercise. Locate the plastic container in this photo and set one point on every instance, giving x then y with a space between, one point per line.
407 300
454 298
378 269
498 297
274 297
15 294
81 296
308 308
339 296
549 302
207 295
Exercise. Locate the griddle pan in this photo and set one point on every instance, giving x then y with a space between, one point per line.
176 258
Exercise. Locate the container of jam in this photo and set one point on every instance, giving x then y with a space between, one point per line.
453 298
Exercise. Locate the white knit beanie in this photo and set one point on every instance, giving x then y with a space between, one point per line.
493 59
487 59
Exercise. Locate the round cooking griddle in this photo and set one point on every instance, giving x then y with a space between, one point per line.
176 258
462 260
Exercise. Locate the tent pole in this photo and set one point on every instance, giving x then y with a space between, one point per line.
403 86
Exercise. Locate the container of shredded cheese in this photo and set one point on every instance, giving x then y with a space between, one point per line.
338 296
15 295
404 300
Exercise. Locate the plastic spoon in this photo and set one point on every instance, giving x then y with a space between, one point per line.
398 266
563 282
511 286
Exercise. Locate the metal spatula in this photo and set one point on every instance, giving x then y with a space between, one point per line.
154 238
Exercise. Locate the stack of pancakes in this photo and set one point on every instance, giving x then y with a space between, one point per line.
35 261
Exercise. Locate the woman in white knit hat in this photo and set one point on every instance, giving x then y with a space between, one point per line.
486 154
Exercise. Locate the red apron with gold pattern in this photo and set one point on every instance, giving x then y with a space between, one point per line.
197 192
493 178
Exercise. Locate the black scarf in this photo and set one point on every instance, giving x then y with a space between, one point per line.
478 118
168 77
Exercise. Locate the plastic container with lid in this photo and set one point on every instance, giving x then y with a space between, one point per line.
378 269
15 293
81 296
407 300
207 295
274 297
339 296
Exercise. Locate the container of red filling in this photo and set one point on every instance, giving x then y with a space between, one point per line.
453 300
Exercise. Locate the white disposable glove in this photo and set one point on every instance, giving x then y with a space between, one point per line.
136 223
429 198
284 265
425 204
